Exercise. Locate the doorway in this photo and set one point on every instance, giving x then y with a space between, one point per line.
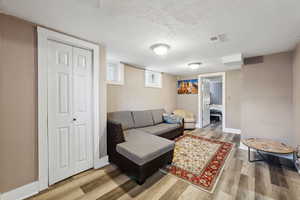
212 100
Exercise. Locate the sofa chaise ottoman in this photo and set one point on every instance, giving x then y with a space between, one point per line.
139 142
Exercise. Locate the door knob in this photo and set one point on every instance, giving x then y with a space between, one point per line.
74 119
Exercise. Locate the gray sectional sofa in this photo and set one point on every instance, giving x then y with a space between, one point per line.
139 142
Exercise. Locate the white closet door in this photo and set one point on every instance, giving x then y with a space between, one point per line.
69 111
82 115
60 129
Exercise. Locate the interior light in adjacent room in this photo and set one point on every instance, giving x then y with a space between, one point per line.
160 49
195 65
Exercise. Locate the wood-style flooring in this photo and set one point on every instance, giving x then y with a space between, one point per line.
240 180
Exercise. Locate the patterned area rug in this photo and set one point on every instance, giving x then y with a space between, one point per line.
199 160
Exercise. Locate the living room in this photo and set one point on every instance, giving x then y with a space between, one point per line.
149 99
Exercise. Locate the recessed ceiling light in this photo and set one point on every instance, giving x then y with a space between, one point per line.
194 65
160 49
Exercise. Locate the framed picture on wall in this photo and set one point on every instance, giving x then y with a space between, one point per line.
187 86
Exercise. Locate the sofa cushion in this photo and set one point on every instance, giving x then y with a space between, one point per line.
159 128
142 118
141 148
129 132
124 117
158 115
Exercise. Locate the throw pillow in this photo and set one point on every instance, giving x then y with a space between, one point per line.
171 118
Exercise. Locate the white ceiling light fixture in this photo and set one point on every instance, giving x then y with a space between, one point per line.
195 65
160 49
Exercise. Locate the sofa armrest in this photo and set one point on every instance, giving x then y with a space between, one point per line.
115 131
115 135
182 119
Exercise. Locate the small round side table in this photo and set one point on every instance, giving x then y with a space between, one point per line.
267 146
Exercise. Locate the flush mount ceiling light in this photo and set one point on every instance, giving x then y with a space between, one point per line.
195 65
160 49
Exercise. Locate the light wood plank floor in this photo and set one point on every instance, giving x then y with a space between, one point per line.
239 180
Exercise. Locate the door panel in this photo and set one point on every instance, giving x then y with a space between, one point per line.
81 142
80 87
63 93
59 111
82 73
69 110
205 103
64 146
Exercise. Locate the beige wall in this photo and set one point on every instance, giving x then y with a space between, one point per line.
133 95
267 98
18 103
296 94
188 102
233 99
233 89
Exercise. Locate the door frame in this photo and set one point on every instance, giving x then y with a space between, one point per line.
43 159
200 77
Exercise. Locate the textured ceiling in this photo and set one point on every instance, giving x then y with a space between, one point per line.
129 27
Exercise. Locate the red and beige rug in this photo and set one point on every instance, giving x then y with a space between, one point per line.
199 160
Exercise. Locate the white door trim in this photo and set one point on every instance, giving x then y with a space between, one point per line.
223 74
43 36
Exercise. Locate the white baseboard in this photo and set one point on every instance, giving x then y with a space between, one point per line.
101 162
21 192
31 189
232 130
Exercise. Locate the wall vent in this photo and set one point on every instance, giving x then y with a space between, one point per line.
219 38
253 60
